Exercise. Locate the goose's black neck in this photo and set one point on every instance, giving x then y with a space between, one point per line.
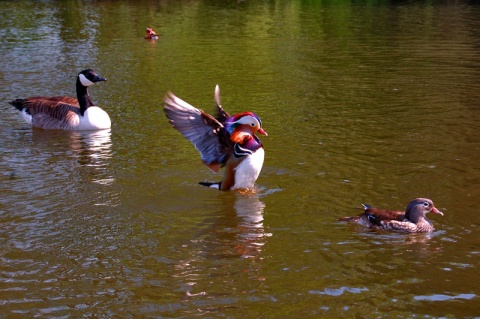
83 98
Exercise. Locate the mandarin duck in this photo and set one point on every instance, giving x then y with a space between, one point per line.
225 141
413 220
150 34
64 112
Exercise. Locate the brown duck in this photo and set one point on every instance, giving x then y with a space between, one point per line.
412 220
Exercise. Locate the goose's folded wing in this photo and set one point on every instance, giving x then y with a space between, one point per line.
55 108
49 100
205 132
62 99
50 113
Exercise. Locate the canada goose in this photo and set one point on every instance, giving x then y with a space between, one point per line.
63 112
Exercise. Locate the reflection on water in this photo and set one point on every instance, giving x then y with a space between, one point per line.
251 234
88 148
338 291
92 147
237 231
50 218
40 149
50 170
380 237
444 297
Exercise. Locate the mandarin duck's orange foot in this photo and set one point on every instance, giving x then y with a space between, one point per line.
412 220
225 141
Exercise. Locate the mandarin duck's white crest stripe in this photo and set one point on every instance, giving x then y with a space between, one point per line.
412 220
63 112
226 140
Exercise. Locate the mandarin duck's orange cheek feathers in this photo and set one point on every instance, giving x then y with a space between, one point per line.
239 137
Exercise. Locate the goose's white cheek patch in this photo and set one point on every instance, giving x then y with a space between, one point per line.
84 80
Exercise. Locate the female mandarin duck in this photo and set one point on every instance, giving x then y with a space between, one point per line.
150 34
413 220
228 141
64 112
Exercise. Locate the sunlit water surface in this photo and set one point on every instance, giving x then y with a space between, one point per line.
370 103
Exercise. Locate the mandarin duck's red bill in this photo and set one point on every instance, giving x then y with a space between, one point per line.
223 141
412 220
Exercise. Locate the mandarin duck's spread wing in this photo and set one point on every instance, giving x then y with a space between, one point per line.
206 133
222 115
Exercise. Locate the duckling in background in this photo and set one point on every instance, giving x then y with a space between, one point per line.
150 34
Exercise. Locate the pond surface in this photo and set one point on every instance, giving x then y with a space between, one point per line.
372 102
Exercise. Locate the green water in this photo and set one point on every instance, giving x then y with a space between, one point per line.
364 102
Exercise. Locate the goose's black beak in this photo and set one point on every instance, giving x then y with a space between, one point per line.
98 79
